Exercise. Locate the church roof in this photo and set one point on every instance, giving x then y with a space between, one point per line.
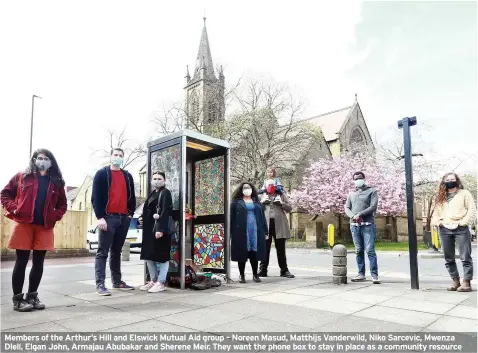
204 58
331 123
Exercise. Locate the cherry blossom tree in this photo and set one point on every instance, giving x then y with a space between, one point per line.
327 183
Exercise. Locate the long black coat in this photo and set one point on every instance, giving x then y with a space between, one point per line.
239 251
157 249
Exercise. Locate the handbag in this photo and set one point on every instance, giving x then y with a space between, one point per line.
189 278
171 225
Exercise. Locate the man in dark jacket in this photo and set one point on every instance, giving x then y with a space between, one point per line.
114 202
361 206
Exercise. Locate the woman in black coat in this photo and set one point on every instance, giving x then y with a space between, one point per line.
156 245
248 230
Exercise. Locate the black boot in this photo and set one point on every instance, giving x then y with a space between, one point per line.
256 279
32 298
287 274
243 279
262 271
20 304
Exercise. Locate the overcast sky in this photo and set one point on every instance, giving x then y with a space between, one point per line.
107 64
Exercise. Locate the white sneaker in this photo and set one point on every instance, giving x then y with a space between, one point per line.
147 286
158 287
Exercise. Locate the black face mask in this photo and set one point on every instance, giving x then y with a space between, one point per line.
450 184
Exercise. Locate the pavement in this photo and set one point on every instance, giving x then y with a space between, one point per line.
307 303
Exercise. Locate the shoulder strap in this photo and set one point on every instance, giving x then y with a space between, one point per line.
159 199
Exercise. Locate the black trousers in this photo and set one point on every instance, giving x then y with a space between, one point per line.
36 273
280 248
111 242
253 260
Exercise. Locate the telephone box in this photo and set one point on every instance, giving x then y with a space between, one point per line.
197 169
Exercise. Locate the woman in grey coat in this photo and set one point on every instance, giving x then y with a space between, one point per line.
275 208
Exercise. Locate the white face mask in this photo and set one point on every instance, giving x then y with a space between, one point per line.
247 192
157 184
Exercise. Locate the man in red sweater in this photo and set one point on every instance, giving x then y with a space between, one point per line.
114 202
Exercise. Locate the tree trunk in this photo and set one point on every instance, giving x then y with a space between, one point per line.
394 235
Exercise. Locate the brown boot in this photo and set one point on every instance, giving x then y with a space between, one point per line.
454 287
465 286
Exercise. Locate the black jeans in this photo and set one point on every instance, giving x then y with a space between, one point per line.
280 248
462 237
253 260
36 273
111 241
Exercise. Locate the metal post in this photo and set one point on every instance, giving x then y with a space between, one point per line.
31 125
227 242
182 213
406 123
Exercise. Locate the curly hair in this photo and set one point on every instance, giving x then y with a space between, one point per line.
440 197
238 192
55 173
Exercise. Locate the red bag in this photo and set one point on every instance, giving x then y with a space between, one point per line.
190 278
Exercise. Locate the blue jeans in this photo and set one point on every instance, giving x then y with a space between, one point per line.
364 239
157 274
111 242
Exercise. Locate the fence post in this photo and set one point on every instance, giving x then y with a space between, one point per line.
319 234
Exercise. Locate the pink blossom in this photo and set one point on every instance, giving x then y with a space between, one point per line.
327 183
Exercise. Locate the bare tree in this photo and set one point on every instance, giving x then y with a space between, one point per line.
265 131
132 152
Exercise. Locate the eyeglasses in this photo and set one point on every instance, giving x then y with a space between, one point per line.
43 159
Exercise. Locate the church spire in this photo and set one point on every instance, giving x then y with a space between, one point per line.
204 57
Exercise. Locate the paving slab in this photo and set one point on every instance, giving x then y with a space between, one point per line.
14 319
467 312
423 306
243 292
436 296
300 316
122 301
453 324
399 316
255 324
203 319
150 325
352 323
68 289
357 296
92 296
250 307
314 291
334 305
203 298
159 309
283 298
470 302
101 320
45 327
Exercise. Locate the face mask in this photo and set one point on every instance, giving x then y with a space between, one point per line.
157 184
117 161
43 165
247 192
451 184
359 183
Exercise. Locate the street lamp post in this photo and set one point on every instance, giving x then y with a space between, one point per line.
31 126
406 123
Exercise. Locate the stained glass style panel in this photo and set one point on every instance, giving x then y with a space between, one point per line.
209 187
209 245
168 160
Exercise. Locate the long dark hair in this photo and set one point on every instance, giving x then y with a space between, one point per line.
54 172
238 192
441 193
